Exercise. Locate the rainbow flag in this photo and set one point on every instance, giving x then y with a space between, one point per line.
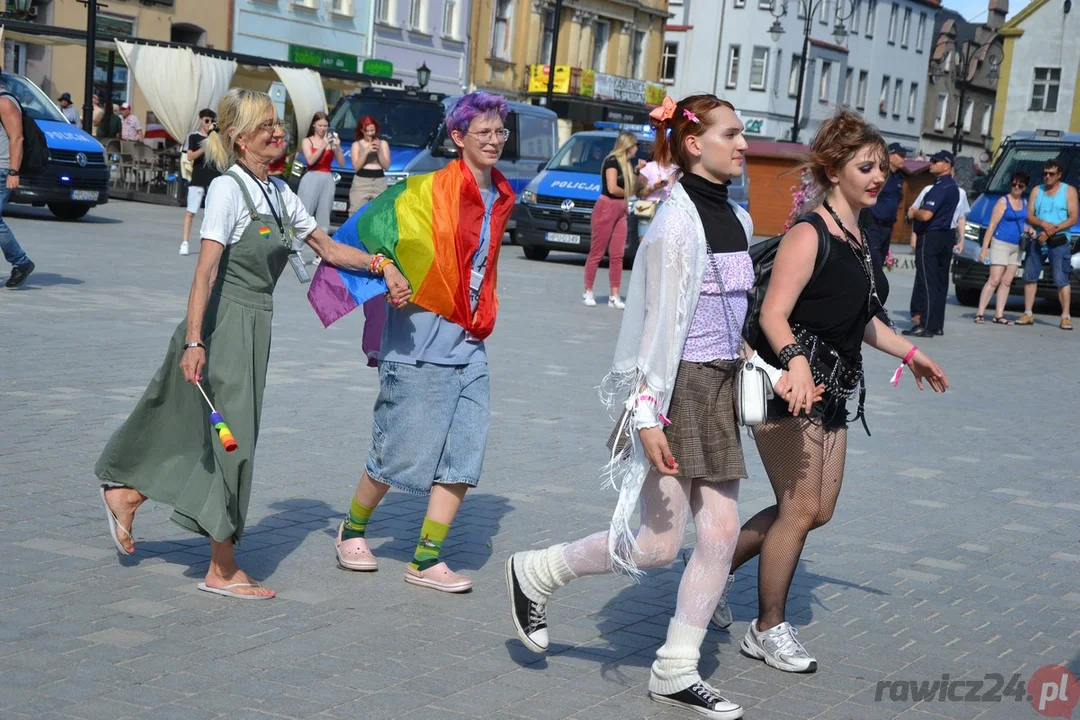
430 226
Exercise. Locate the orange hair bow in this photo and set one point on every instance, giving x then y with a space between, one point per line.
665 111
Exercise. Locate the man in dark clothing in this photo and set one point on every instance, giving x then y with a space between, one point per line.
202 173
880 217
936 240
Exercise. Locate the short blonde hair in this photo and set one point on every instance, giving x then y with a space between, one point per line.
241 112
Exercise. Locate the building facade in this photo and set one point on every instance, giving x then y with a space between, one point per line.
608 55
1039 88
956 39
879 67
409 34
61 68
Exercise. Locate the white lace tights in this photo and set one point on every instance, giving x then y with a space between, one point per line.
664 504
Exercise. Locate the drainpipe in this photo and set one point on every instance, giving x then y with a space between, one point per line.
719 50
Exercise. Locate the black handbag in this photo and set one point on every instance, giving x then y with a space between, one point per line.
1057 240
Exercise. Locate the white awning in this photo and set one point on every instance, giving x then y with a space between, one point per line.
306 92
177 83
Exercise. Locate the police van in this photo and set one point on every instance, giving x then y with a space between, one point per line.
76 177
554 211
411 122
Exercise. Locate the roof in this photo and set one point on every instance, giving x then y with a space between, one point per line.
1018 19
782 150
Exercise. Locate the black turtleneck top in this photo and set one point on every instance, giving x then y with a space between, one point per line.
723 231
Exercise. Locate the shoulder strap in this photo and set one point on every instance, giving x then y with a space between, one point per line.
285 219
247 196
823 242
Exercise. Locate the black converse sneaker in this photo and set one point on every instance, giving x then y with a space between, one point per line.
530 618
701 698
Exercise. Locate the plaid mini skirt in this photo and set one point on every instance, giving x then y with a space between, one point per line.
703 434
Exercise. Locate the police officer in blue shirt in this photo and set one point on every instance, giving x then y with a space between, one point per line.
880 217
935 243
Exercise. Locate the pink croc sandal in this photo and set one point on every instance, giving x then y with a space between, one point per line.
355 554
438 577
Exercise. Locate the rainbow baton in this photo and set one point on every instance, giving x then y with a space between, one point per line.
218 423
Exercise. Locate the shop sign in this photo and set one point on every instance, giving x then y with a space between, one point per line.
538 79
604 86
588 83
629 90
654 94
754 125
378 68
324 59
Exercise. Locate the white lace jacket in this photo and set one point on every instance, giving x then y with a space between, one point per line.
663 295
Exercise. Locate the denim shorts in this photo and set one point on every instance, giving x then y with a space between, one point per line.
430 425
1060 262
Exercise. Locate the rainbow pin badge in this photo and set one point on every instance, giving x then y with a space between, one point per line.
264 231
218 423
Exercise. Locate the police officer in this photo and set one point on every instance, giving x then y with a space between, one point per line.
881 216
936 240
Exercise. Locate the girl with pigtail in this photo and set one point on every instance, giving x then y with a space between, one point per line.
676 450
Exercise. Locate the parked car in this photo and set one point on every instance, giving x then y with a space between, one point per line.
554 211
76 178
412 124
1023 150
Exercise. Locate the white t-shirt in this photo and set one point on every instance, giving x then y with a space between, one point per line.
962 207
226 216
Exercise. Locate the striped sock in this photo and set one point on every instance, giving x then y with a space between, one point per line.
357 520
432 535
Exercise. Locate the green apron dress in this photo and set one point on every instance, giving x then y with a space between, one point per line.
167 449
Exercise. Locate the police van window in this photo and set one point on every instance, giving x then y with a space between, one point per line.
510 150
36 103
535 137
1031 159
583 153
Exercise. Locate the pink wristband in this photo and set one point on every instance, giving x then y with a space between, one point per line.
900 370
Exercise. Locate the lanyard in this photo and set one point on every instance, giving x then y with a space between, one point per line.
273 212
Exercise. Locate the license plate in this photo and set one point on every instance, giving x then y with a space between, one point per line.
340 206
91 195
563 238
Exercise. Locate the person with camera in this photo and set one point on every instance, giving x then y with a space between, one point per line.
1001 247
1052 211
370 156
321 146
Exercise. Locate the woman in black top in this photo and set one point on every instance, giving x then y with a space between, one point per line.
618 179
803 448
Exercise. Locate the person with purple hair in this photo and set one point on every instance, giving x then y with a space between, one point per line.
433 409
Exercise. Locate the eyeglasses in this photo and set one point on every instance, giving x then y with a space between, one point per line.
272 126
207 121
486 136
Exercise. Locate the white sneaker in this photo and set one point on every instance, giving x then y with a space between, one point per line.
703 699
590 301
616 302
721 616
778 647
184 248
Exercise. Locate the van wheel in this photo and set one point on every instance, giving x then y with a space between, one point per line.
535 253
69 211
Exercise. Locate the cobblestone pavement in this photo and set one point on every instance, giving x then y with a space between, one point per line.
954 549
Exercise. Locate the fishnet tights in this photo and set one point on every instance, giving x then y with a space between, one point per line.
664 503
805 464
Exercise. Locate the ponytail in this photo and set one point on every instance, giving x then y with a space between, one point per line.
241 112
676 121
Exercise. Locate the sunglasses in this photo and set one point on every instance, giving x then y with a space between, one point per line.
1019 184
1050 173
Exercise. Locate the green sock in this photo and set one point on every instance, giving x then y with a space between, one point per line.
357 520
432 535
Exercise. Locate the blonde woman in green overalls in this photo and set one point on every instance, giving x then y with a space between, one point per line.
166 450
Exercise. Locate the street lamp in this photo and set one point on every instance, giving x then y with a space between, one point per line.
423 75
809 8
21 9
967 54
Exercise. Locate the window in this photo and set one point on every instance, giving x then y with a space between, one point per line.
601 33
793 77
733 66
942 109
418 15
898 90
824 19
15 57
905 30
1044 92
740 3
871 16
449 19
848 78
342 7
759 68
894 15
824 81
671 54
501 34
637 56
947 60
969 115
912 100
860 90
384 11
310 4
855 16
920 34
765 4
549 36
883 98
536 137
988 115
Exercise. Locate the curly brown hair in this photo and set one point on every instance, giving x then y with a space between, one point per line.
838 140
